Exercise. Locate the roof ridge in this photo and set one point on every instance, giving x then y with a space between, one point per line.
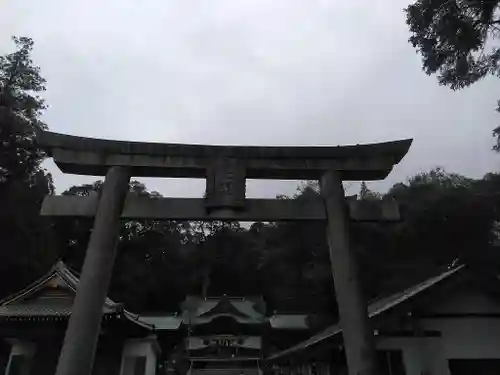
437 276
401 296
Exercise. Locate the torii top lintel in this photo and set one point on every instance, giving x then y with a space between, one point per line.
88 156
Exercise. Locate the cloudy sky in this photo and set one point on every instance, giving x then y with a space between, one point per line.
280 72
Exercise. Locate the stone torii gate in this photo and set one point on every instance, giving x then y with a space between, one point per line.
225 169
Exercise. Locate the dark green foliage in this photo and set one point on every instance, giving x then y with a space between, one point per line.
25 248
20 111
452 37
446 218
457 39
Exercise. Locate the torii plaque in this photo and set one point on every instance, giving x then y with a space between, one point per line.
225 169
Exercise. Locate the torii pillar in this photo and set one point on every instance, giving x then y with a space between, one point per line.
225 169
356 328
77 354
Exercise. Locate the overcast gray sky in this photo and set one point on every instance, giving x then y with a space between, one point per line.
280 72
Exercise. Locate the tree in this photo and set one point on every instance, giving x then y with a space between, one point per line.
20 112
23 183
457 40
446 218
367 194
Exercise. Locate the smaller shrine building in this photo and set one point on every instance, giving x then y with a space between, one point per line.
448 324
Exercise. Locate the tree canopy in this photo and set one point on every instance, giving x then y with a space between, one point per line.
446 218
458 40
20 111
25 234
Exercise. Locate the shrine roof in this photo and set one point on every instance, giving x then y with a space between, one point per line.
52 295
243 309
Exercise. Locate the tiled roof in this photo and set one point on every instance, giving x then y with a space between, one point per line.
198 310
32 309
375 308
23 305
174 322
25 310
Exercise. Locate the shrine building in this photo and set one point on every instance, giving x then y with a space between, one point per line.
448 324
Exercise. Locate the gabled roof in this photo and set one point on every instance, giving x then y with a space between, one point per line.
59 275
226 307
244 310
375 308
198 310
33 302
